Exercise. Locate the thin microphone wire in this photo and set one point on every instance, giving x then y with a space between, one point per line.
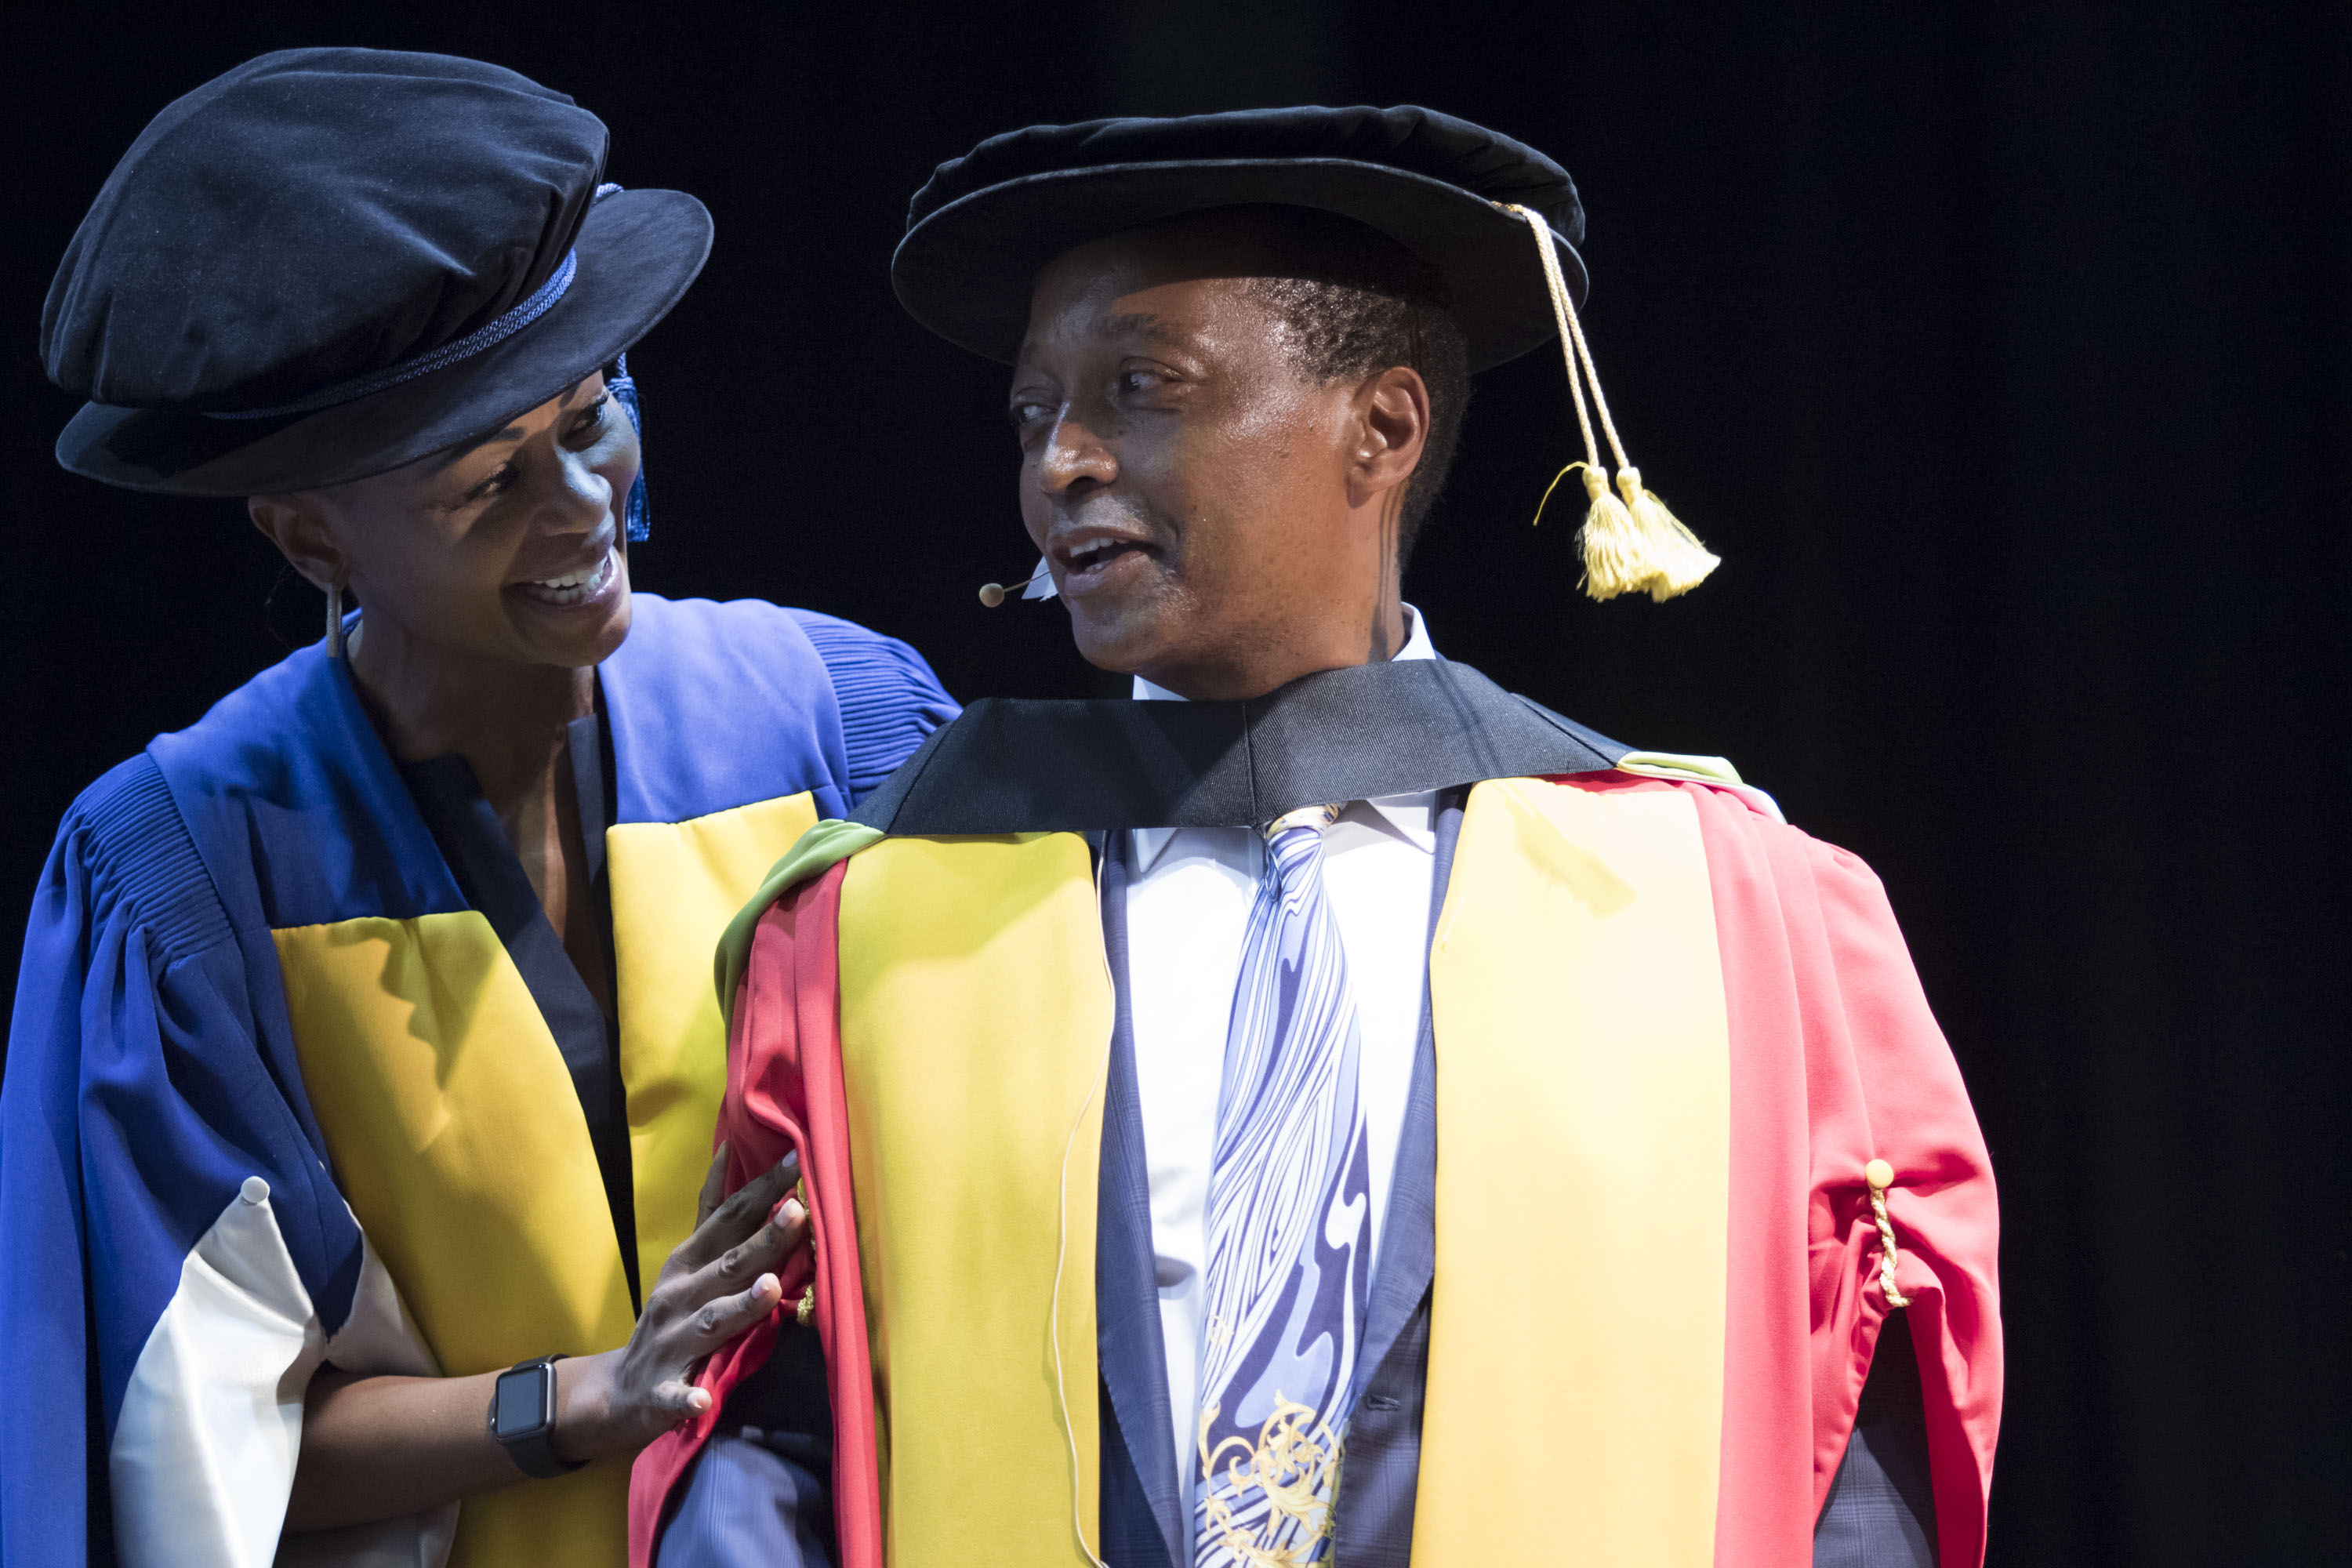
1062 1255
1054 1308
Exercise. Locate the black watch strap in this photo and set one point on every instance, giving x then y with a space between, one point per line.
522 1417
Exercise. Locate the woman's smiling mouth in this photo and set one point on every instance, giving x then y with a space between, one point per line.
573 589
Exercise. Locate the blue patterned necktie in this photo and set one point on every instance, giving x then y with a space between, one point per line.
1290 1228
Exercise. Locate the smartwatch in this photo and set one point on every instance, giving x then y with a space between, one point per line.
522 1417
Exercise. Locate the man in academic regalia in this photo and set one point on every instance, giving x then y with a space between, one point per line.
1328 1107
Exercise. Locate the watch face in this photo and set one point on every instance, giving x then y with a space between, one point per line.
518 1403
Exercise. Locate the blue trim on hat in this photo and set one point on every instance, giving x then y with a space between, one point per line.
473 342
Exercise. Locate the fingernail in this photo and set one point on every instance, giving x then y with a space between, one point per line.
699 1399
769 1282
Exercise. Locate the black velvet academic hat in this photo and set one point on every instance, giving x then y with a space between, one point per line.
980 232
331 262
1498 219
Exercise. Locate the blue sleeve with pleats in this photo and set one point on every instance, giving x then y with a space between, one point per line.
149 1130
890 701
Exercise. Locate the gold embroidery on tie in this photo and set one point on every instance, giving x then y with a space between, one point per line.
1880 1176
1295 1455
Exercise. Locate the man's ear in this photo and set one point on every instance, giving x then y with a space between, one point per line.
1392 428
299 528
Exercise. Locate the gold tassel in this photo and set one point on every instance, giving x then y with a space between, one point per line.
1610 540
1635 545
1677 561
1610 544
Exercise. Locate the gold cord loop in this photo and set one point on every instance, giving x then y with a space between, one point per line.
1563 313
1880 1176
1592 374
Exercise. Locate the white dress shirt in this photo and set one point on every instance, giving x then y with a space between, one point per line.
1187 906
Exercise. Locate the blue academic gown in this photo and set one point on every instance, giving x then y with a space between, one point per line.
155 1109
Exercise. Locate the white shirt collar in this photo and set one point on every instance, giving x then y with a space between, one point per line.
1402 816
1416 646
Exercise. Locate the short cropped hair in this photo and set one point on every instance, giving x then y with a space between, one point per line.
1354 302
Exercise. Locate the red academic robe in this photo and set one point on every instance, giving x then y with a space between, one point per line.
1834 1060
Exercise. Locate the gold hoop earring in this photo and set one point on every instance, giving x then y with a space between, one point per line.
335 619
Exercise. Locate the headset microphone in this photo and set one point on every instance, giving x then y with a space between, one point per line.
1039 585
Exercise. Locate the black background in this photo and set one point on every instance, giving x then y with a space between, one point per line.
2001 352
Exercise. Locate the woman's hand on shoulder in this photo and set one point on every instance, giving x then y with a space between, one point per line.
720 1282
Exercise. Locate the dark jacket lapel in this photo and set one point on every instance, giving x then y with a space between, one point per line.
1382 1475
1143 1516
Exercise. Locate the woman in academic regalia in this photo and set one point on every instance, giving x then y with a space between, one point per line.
366 1057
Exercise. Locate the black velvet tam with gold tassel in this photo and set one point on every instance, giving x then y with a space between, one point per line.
1464 199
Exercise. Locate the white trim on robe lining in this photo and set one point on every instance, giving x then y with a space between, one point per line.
203 1452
